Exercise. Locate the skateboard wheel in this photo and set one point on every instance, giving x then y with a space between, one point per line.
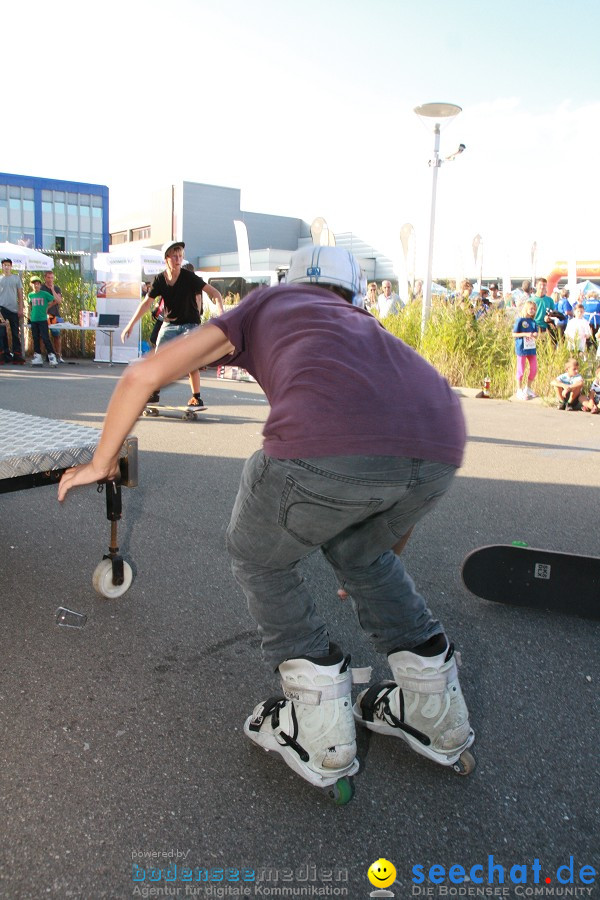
189 415
342 791
465 764
146 412
103 583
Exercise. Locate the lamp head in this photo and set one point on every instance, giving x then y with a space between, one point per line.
438 110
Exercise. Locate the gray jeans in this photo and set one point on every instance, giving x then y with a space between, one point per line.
355 509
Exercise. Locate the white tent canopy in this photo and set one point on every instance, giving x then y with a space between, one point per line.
145 259
26 258
583 288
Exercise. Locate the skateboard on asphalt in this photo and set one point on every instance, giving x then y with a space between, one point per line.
178 412
541 579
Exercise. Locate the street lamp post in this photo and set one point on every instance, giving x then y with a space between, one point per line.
447 111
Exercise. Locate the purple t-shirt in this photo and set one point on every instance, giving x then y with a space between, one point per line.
338 383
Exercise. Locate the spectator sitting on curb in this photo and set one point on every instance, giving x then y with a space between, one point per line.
568 386
592 403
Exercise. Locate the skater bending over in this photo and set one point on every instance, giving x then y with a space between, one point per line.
345 468
181 293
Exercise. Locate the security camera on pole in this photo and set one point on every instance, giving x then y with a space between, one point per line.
447 111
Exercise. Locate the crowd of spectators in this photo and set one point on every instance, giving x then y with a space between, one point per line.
533 314
573 322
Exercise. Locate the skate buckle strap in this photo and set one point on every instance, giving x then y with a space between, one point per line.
427 682
314 696
375 704
271 708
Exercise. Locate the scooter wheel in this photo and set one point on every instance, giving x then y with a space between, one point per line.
103 583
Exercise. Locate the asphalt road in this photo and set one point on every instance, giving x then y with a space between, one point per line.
122 752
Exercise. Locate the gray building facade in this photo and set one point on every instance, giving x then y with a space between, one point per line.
202 215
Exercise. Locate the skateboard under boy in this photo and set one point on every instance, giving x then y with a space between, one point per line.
529 577
180 412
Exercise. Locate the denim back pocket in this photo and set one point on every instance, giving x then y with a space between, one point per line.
312 518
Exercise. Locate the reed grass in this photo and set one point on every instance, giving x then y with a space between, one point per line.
467 350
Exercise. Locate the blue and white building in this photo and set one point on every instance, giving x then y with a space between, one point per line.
68 217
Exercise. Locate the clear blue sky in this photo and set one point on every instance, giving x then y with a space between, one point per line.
307 107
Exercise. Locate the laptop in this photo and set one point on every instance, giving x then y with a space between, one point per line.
108 320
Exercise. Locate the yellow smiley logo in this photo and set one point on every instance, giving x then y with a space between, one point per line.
381 873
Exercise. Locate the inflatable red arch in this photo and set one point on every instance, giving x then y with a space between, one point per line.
586 269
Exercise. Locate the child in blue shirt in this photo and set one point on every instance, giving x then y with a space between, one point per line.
569 386
525 332
591 306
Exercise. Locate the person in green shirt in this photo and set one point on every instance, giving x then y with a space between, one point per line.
39 301
544 303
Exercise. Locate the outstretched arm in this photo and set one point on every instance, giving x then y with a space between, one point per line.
174 360
215 296
143 307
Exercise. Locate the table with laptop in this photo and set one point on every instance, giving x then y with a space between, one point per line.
107 323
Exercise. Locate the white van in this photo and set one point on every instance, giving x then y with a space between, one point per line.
234 286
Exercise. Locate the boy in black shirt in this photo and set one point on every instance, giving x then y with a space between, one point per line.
181 292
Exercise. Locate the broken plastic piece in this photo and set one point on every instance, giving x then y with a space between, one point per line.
70 619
